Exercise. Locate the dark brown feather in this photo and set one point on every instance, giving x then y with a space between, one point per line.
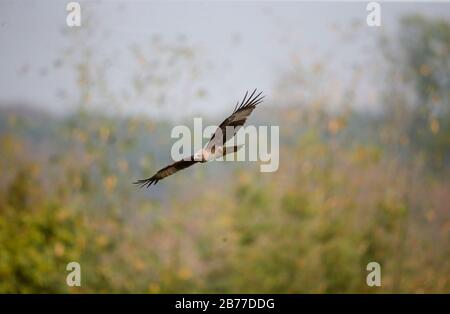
237 119
166 171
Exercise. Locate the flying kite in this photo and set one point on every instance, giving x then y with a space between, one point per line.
215 147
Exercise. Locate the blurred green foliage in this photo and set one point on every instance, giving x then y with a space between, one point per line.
421 70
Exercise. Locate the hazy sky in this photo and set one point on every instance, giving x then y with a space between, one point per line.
237 46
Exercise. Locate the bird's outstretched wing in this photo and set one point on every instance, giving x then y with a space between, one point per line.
167 171
235 120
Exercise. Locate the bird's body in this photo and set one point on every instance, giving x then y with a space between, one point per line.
216 145
205 154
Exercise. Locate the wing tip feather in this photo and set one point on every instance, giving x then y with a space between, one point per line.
252 101
146 182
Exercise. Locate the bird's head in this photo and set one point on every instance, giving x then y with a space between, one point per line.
198 156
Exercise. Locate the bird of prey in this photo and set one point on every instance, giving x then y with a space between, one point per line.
215 147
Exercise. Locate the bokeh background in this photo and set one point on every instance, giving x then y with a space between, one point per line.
364 118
